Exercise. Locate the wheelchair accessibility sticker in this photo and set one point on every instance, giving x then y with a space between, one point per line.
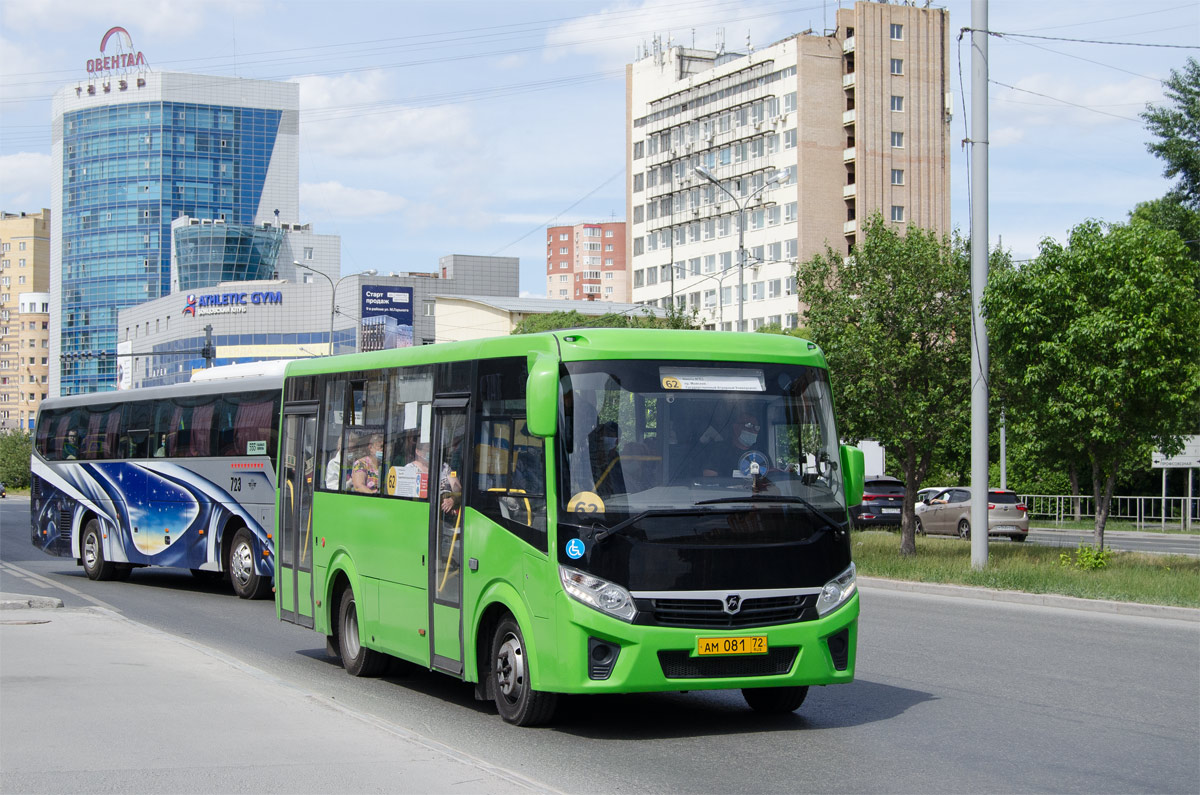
575 549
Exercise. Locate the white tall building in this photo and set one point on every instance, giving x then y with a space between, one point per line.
807 138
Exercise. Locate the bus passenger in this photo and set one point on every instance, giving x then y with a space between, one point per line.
364 477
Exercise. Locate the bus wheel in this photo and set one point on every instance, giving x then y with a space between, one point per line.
775 700
357 659
516 700
92 552
247 583
964 529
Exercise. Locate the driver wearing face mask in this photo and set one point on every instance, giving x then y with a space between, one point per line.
740 456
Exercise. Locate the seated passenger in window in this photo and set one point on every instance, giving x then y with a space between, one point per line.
364 476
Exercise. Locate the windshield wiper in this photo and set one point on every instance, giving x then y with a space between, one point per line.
777 498
597 532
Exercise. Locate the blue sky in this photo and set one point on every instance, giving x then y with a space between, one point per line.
432 128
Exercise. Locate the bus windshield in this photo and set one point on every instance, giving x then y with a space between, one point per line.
665 436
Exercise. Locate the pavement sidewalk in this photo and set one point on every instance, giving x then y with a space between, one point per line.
93 702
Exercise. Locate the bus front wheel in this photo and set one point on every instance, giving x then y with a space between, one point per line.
516 700
247 582
91 550
357 659
775 700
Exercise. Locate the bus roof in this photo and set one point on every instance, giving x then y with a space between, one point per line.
258 383
584 344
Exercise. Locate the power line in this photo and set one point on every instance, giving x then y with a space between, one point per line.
558 215
1063 101
1002 35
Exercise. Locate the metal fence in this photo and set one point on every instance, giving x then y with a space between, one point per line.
1151 513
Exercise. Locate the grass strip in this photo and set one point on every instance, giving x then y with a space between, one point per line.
1128 576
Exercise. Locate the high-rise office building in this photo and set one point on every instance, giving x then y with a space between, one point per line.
586 262
131 153
741 165
24 271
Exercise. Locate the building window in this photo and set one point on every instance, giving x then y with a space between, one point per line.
563 250
638 182
897 103
608 246
898 213
308 252
897 66
897 32
429 308
897 176
564 236
897 140
562 265
789 139
639 146
639 278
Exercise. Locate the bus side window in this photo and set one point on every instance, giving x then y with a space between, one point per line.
331 456
135 440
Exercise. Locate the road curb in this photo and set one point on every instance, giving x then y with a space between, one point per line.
1042 599
10 601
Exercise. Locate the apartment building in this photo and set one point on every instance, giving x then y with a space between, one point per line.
24 271
586 262
740 165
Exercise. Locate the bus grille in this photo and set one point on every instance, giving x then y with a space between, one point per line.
679 664
710 613
65 515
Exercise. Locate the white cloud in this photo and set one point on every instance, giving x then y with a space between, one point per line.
26 182
333 200
614 33
382 127
1005 136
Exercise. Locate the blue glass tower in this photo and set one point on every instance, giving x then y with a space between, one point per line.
131 160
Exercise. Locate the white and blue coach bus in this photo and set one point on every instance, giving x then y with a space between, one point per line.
180 476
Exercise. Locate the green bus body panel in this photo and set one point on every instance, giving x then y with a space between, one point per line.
445 631
379 545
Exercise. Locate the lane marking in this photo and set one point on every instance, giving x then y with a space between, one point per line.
48 583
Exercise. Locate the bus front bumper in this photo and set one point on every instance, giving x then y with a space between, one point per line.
597 653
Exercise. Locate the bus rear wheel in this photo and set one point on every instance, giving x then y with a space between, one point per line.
357 659
516 700
775 700
247 582
91 552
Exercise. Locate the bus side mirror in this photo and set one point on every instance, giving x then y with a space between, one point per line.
541 396
853 468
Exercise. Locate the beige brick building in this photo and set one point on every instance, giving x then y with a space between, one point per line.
586 262
848 124
24 272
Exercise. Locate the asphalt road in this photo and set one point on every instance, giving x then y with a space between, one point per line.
952 695
1155 543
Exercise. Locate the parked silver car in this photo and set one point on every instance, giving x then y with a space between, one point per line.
949 513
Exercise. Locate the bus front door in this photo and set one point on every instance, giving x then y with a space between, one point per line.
446 534
294 547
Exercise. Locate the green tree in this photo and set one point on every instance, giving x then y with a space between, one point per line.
1095 347
894 321
553 321
1168 213
1176 125
15 448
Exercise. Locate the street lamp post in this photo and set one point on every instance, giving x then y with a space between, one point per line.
771 180
332 293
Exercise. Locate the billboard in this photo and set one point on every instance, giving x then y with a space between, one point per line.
387 317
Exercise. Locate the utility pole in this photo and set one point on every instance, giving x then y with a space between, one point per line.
979 276
209 351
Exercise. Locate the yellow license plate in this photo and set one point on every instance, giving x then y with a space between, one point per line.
748 644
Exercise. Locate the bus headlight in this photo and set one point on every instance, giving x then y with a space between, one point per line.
836 592
597 593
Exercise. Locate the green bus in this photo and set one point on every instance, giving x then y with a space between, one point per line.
582 511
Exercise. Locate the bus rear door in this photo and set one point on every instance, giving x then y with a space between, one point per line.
294 542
